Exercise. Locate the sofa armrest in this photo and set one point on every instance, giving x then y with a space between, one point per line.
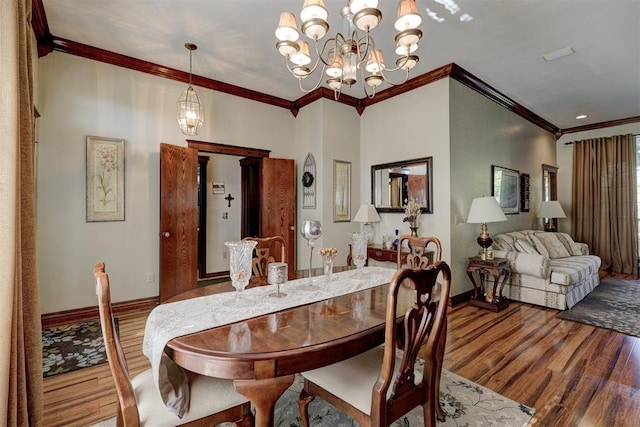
583 247
529 264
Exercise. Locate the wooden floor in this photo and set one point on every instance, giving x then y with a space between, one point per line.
572 374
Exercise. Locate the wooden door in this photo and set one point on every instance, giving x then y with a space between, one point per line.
278 203
178 220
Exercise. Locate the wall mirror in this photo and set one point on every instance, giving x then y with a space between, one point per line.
394 184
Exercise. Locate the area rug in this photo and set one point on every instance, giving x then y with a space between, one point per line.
613 304
465 403
67 348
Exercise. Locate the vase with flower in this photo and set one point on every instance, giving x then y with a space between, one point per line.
328 255
411 211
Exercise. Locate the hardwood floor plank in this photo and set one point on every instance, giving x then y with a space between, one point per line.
572 374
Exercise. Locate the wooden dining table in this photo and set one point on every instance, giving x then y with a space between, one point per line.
262 354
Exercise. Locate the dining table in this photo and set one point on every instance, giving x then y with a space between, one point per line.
261 342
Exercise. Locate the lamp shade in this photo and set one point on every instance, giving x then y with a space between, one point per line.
367 213
485 209
551 209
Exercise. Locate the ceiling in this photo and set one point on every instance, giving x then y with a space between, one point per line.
502 45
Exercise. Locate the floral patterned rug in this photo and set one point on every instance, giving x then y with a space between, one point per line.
67 348
465 403
613 304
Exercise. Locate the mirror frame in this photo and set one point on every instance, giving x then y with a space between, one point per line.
428 175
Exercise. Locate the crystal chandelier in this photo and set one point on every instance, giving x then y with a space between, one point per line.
188 105
343 55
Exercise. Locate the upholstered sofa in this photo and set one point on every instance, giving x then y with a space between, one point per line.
547 269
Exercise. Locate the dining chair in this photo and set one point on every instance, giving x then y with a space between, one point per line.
213 401
377 387
266 251
419 255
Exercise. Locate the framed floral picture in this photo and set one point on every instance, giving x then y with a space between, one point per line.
105 179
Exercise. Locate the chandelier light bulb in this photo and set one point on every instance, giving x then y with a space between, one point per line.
357 5
313 9
408 62
408 16
367 19
404 51
376 62
335 68
409 37
302 56
315 28
287 29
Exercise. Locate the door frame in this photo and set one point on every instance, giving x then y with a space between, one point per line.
232 150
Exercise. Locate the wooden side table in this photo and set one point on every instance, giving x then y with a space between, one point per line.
490 299
381 254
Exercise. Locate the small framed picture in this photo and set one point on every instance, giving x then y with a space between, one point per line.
341 191
218 187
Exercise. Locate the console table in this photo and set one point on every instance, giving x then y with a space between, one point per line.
498 269
381 254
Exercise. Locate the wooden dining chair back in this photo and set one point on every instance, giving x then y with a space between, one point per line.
213 401
266 252
378 387
419 254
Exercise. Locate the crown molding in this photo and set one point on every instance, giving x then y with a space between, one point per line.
601 125
48 43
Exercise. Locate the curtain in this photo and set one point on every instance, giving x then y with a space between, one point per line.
605 211
20 328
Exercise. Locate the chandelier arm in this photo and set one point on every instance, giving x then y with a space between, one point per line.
392 83
316 86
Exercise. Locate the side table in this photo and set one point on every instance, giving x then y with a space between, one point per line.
498 269
381 254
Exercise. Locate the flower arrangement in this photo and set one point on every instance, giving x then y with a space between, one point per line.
411 212
328 253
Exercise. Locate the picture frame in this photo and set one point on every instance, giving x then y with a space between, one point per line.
341 191
217 187
505 187
105 162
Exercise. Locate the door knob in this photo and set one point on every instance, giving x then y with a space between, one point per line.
166 234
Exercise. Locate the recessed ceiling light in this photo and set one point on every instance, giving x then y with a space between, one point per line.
560 53
581 116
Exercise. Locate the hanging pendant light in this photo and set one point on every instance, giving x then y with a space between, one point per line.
188 105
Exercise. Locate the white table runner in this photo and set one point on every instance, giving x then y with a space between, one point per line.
171 320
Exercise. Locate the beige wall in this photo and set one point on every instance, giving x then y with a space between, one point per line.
565 164
485 134
80 97
463 131
410 126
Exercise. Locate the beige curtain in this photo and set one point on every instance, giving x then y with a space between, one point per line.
20 330
605 211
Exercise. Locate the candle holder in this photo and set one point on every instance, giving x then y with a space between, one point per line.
277 275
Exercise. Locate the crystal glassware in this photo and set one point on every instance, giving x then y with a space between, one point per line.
359 249
277 275
311 230
240 257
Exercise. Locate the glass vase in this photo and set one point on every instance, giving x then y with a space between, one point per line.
240 258
359 249
327 263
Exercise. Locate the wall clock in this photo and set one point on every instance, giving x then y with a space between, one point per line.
309 182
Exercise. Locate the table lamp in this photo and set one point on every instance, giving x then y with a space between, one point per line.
365 216
551 209
484 210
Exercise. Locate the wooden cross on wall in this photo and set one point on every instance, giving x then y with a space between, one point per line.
229 199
